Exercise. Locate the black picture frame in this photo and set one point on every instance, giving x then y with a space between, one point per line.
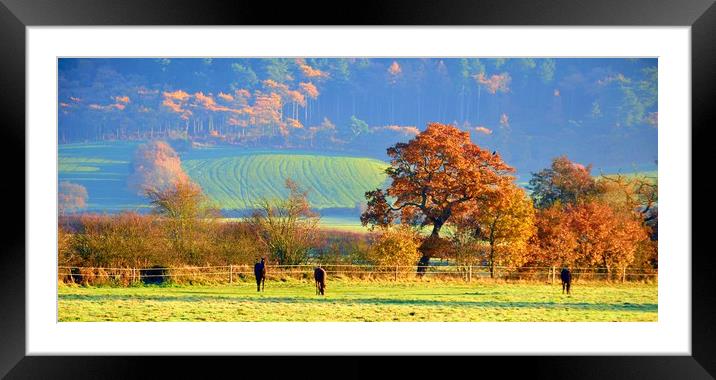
16 15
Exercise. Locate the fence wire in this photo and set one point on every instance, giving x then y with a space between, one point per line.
229 273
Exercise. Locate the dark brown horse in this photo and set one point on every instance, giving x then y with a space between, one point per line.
319 274
260 273
566 277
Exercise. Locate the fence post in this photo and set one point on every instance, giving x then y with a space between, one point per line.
469 273
231 274
552 270
623 274
396 273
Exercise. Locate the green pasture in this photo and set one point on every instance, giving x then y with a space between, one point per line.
352 301
242 180
232 177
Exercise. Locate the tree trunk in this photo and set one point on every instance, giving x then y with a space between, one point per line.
609 272
492 260
427 253
492 248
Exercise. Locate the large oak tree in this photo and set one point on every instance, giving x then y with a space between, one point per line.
438 174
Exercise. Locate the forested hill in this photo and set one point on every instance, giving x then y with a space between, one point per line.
600 111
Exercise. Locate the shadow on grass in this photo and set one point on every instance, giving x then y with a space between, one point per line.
626 306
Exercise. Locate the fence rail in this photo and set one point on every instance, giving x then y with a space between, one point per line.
229 273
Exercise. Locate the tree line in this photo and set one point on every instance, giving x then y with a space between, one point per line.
349 104
566 216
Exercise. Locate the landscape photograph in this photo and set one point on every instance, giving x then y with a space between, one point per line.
357 189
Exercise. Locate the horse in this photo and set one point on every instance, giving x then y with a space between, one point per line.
566 277
260 273
319 274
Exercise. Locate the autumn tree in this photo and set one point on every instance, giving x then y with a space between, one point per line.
591 233
311 93
605 236
554 242
433 177
267 113
565 181
395 249
155 167
468 249
637 193
506 225
71 197
288 228
186 210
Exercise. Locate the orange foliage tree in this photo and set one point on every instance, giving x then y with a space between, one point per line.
507 224
588 234
267 113
606 236
435 176
554 242
565 181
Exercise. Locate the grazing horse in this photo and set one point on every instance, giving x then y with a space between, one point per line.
260 273
319 274
566 276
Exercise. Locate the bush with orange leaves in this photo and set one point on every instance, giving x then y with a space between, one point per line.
395 248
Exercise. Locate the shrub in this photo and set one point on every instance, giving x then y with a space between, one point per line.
396 247
287 228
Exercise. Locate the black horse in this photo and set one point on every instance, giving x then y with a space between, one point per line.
260 273
319 274
566 276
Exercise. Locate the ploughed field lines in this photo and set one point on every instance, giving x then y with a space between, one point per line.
240 182
232 177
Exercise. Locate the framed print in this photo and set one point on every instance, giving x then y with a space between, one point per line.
190 176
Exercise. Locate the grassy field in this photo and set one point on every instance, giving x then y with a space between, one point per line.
295 301
234 178
241 180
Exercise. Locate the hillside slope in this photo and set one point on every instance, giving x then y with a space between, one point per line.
332 181
234 178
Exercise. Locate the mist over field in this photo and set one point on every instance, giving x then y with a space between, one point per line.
240 126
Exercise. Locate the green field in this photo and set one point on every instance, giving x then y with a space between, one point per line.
416 301
233 177
240 181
